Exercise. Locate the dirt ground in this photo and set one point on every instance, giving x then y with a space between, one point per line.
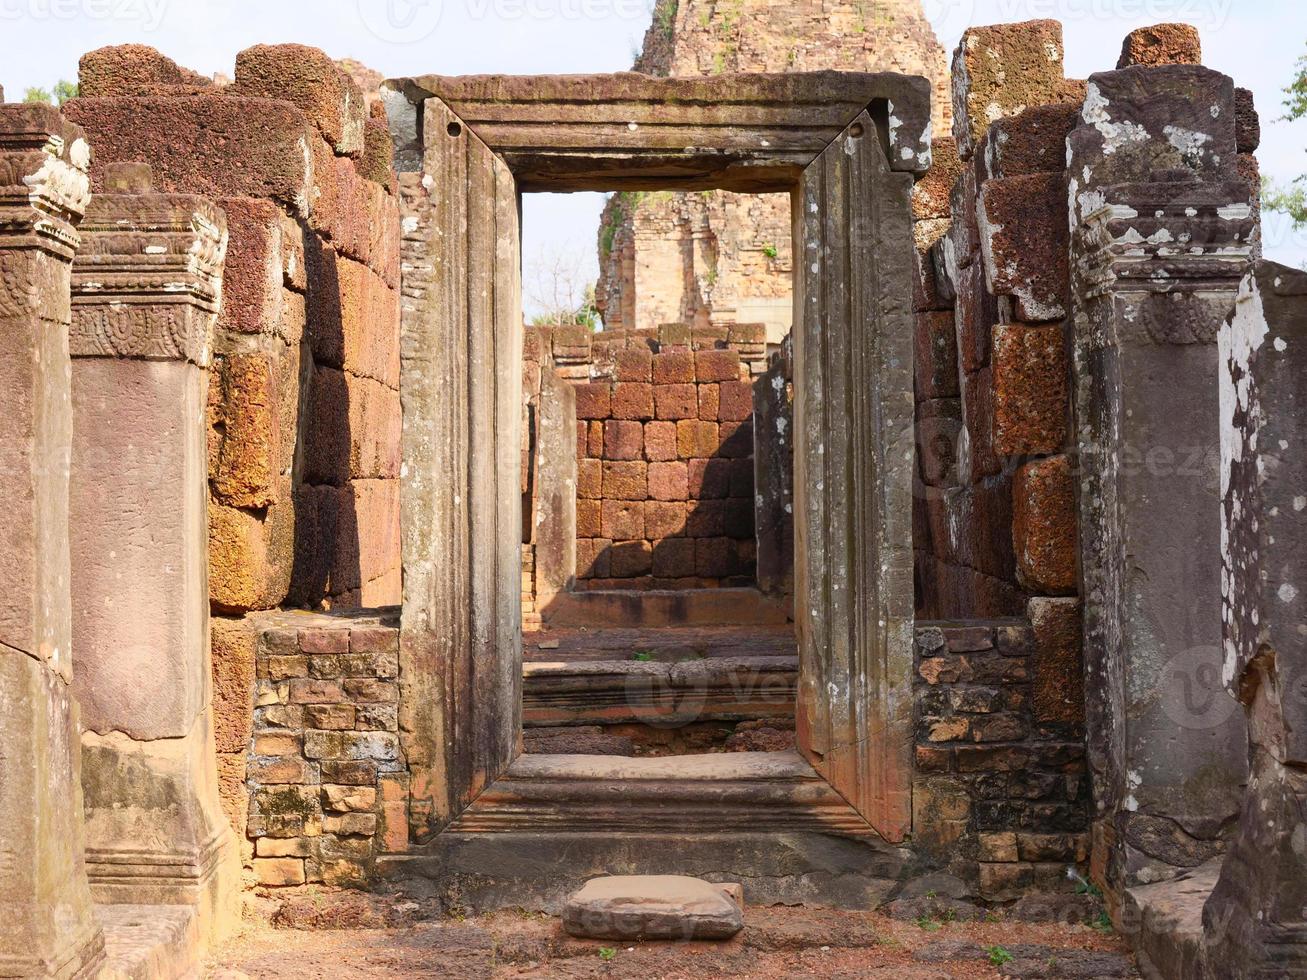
346 935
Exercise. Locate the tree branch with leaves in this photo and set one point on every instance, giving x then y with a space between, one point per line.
1291 199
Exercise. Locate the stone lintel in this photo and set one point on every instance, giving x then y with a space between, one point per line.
748 132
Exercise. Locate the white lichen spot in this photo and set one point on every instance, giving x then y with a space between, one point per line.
1299 504
1280 344
1235 212
1115 134
1189 143
1287 593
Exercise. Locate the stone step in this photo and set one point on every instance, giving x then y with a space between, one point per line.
637 907
149 942
664 694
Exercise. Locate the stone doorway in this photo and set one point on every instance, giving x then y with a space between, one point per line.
845 146
657 511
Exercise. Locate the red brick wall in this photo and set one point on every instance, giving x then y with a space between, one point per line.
665 453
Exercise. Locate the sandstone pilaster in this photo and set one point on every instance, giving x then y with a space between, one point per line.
146 289
1162 231
49 929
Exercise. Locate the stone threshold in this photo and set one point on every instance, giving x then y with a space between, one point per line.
664 694
1164 922
711 794
146 942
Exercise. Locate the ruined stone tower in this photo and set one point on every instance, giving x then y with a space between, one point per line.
715 257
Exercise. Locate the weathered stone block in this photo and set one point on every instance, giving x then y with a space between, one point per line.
652 907
128 70
589 478
659 441
1162 44
1000 71
673 367
696 438
676 401
716 365
674 557
705 518
709 402
594 400
930 195
630 558
623 440
632 401
664 519
587 519
312 81
233 656
1030 390
625 480
261 154
935 355
1056 667
1031 142
1044 526
1024 243
709 479
668 481
621 520
276 872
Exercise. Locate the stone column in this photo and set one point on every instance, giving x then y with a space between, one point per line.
1162 230
773 473
45 903
555 505
1255 922
145 294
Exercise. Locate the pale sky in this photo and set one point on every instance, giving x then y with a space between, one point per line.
1255 41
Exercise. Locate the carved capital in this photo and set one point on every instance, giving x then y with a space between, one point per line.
148 280
44 186
1174 252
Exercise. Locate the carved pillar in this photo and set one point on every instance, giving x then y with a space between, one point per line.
1255 922
1162 231
45 904
555 508
773 473
145 294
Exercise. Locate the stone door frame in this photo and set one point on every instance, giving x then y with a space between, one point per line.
846 146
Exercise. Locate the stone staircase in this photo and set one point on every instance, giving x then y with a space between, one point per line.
659 691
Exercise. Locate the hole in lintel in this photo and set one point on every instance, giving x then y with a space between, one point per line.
454 129
855 130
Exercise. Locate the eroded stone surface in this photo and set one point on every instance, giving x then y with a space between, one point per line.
634 907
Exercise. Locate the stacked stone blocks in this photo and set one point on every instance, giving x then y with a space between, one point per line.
1001 793
995 512
327 779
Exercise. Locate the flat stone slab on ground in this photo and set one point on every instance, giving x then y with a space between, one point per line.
632 907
